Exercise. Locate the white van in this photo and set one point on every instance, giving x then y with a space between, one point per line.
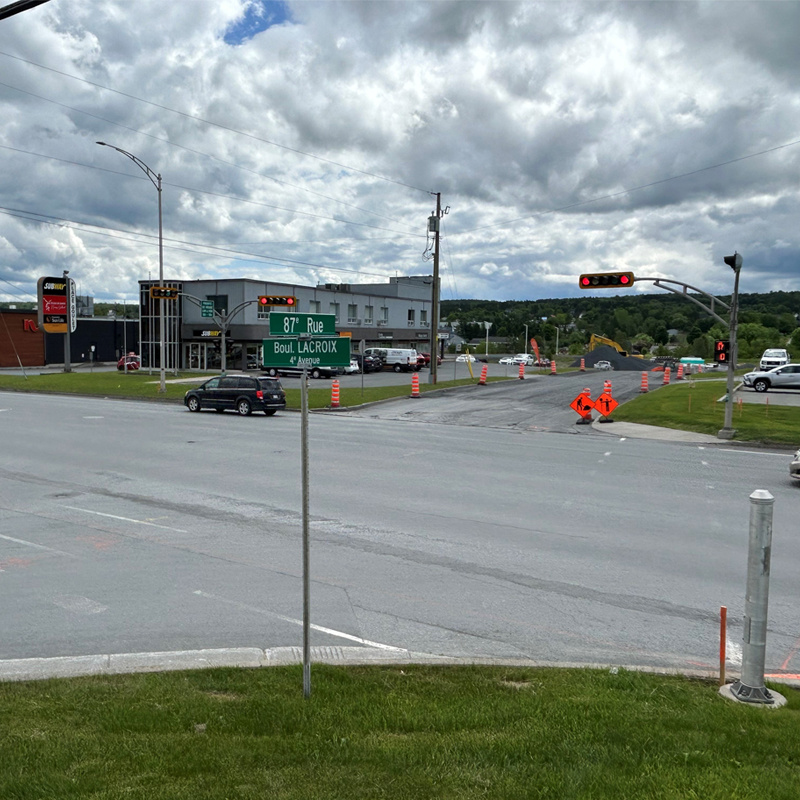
396 358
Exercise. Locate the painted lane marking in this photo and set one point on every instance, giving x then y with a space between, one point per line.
319 628
78 604
126 519
94 417
37 546
756 453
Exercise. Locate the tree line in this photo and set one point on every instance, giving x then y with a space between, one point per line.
653 324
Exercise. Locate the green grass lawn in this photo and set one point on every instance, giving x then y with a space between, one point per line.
140 385
695 406
412 733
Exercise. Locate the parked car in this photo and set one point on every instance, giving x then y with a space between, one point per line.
427 358
773 357
368 363
603 365
466 357
524 358
507 360
353 368
253 363
241 393
129 363
787 377
794 467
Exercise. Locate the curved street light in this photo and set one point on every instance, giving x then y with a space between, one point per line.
155 179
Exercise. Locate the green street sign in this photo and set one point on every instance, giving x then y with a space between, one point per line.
292 323
207 308
322 351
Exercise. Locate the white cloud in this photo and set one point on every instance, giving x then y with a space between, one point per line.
533 120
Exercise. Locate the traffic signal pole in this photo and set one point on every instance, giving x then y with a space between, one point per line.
735 263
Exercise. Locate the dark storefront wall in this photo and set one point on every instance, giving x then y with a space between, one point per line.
107 336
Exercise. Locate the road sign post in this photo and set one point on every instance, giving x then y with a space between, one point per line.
305 341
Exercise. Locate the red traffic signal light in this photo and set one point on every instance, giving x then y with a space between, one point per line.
606 280
164 293
277 300
722 351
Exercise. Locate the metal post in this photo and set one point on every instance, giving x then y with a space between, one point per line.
67 353
162 386
306 556
728 431
433 372
750 688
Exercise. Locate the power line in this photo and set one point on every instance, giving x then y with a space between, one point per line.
84 227
633 189
208 192
197 152
216 124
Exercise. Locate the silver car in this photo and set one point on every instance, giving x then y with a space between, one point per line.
794 467
787 377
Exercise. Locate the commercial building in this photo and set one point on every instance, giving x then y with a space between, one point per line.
393 314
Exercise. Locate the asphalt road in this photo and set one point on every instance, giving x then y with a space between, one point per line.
466 524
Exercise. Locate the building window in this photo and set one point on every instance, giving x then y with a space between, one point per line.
384 317
410 317
368 315
314 306
423 317
220 302
335 310
352 314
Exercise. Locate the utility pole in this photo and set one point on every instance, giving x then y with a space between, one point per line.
433 227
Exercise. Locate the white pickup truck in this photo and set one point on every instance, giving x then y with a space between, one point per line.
774 357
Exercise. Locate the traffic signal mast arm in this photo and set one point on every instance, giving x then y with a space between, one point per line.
686 288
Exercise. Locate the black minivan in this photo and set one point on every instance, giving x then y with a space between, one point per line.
242 393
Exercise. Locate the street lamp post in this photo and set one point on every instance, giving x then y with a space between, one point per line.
155 179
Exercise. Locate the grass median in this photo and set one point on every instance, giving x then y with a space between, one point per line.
696 405
390 732
142 386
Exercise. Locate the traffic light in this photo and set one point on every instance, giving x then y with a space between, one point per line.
165 292
277 300
606 280
722 351
734 261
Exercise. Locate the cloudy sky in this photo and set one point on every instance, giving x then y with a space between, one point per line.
305 142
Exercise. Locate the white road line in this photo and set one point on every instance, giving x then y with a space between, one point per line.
125 519
331 631
37 546
755 452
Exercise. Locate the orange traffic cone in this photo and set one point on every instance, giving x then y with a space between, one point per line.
522 372
583 365
666 376
644 382
679 376
415 385
606 387
553 367
484 372
335 394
